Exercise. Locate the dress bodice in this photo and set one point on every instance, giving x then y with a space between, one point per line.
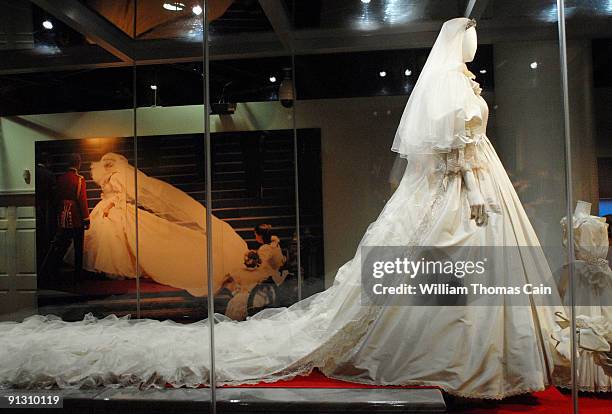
113 189
475 130
590 237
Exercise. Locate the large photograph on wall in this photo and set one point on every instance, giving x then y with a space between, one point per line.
110 227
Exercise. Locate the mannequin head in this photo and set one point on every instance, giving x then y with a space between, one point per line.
470 44
583 208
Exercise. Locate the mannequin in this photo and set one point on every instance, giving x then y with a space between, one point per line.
469 47
470 44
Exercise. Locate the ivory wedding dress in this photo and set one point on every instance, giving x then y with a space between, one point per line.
593 299
171 231
454 192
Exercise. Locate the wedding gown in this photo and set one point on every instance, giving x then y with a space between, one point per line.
593 299
470 351
171 232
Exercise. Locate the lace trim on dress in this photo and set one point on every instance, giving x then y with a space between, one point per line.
470 158
464 159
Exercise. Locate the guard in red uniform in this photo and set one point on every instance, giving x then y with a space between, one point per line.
72 219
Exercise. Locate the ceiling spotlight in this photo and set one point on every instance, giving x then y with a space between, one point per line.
365 1
272 79
382 73
483 71
173 6
408 72
47 24
197 9
533 65
154 87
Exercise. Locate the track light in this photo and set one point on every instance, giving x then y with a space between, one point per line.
174 6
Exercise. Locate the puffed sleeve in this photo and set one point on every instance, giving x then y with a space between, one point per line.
434 120
459 114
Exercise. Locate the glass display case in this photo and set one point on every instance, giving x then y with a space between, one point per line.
210 197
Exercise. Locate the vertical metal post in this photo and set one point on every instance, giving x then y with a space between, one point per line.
297 180
569 198
135 133
296 163
209 235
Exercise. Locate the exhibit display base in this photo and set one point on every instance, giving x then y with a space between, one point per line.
312 394
248 400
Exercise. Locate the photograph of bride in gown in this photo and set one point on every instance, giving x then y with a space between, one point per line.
254 261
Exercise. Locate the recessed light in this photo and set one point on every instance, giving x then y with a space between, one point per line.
47 24
154 87
382 73
197 9
365 1
408 72
272 79
483 71
533 65
174 6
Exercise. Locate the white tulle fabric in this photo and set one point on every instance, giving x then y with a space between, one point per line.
441 101
171 231
479 351
593 296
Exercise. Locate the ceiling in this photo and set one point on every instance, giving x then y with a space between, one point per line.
108 33
85 62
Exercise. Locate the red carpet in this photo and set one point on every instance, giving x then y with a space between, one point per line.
316 380
120 287
550 401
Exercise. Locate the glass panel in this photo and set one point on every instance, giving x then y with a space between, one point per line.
356 97
53 265
280 190
589 43
253 176
171 191
346 102
253 183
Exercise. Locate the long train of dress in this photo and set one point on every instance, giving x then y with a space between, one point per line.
484 352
